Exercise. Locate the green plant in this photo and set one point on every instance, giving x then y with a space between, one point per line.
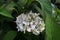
10 9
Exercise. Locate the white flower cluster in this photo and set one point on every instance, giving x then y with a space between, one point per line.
30 22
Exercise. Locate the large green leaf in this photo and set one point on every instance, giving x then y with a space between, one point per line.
5 12
46 7
52 28
49 26
10 35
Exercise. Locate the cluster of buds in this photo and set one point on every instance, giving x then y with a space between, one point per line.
30 22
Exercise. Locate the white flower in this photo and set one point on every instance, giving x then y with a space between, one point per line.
30 22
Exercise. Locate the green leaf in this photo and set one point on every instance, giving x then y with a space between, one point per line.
10 35
49 26
5 12
46 7
52 28
10 6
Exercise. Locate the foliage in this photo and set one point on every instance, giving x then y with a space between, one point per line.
10 9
